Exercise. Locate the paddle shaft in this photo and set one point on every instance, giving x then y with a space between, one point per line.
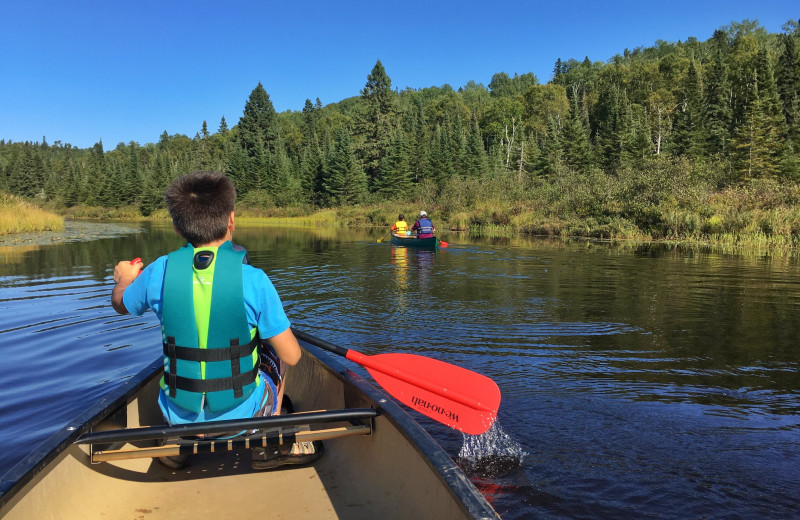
412 379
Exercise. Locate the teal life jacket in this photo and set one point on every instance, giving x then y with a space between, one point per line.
225 371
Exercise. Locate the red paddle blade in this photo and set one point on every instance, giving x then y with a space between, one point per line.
442 243
449 394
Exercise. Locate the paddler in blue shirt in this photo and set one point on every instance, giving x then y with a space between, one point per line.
206 334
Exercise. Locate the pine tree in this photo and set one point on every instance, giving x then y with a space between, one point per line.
378 124
789 88
344 179
718 112
608 141
439 167
286 189
394 178
98 172
636 143
577 151
311 171
257 124
156 181
688 132
477 162
223 126
758 142
72 184
418 142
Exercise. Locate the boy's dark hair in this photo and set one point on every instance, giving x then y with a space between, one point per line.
200 204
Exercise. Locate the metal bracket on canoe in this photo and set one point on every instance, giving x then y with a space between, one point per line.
272 431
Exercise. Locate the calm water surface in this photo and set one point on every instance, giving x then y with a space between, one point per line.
638 381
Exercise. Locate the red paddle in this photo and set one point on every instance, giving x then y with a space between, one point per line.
449 394
442 243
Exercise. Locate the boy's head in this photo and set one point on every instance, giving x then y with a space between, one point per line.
200 204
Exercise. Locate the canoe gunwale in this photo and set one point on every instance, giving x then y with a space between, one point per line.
26 469
448 471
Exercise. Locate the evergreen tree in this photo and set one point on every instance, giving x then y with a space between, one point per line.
344 179
378 124
98 173
608 140
477 162
309 118
718 114
394 178
131 176
311 174
72 184
789 88
758 141
688 132
418 141
577 150
223 126
257 124
286 189
155 183
439 167
558 68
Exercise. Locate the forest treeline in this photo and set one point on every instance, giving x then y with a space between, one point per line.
678 139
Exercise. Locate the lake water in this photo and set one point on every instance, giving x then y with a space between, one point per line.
638 381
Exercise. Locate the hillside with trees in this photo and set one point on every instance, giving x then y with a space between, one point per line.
681 140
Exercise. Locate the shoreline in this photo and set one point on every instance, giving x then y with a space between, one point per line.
90 229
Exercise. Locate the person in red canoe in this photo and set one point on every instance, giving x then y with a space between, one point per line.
423 226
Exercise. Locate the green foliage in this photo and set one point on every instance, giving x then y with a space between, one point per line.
345 181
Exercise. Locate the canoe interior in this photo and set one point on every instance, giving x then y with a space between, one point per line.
411 241
397 472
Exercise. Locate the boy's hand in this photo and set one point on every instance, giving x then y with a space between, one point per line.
127 271
124 274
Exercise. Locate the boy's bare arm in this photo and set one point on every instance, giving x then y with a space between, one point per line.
286 346
125 273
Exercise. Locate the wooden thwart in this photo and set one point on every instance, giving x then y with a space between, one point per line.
276 438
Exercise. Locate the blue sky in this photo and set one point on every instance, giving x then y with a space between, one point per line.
118 71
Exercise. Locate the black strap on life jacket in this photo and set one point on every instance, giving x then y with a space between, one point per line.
213 385
233 354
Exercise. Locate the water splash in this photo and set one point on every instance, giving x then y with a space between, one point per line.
493 454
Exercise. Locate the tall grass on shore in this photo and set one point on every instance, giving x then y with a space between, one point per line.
18 216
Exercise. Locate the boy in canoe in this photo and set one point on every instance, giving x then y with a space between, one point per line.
225 351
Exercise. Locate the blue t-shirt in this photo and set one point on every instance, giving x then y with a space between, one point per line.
264 311
263 305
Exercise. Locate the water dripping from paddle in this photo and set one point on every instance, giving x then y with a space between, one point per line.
491 455
493 462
